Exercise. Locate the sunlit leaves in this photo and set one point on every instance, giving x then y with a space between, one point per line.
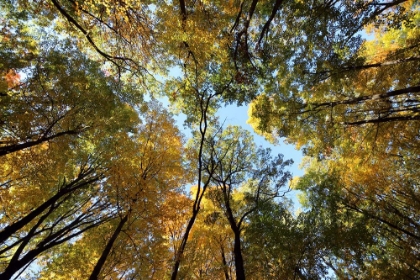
96 179
369 95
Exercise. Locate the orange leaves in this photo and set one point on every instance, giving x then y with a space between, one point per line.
12 78
9 80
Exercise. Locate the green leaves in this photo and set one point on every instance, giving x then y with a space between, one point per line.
89 168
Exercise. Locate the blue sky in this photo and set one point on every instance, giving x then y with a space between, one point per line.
234 115
239 115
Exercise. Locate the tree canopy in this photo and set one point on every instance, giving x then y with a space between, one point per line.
98 182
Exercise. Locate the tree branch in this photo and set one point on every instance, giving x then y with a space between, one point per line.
270 19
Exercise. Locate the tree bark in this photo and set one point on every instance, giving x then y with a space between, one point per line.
107 250
53 240
201 189
17 147
225 265
178 255
237 252
368 97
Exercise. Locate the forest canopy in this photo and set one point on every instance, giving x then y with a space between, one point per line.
98 182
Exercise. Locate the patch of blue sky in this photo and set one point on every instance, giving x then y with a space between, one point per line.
234 115
238 116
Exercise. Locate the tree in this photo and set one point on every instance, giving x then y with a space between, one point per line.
357 117
373 93
118 33
50 102
244 178
53 156
209 251
43 210
280 244
144 172
373 206
143 180
91 174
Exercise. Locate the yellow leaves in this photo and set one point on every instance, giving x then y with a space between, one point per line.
175 212
256 109
80 257
197 38
388 41
147 166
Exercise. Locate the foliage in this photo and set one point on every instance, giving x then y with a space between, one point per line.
372 213
97 181
365 100
245 178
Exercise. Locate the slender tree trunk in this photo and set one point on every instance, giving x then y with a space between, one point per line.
18 264
225 265
237 252
15 264
53 240
181 249
71 187
239 261
107 250
360 99
204 105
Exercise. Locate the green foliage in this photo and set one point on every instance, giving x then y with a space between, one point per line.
94 180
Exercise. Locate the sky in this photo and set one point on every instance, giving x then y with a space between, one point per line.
234 115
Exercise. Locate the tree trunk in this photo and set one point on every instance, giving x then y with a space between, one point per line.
71 187
17 147
237 252
107 250
225 265
181 249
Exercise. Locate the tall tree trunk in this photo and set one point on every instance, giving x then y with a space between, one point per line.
225 265
17 147
107 250
178 255
15 264
237 252
18 264
54 239
236 228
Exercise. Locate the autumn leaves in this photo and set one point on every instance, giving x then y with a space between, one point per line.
95 181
